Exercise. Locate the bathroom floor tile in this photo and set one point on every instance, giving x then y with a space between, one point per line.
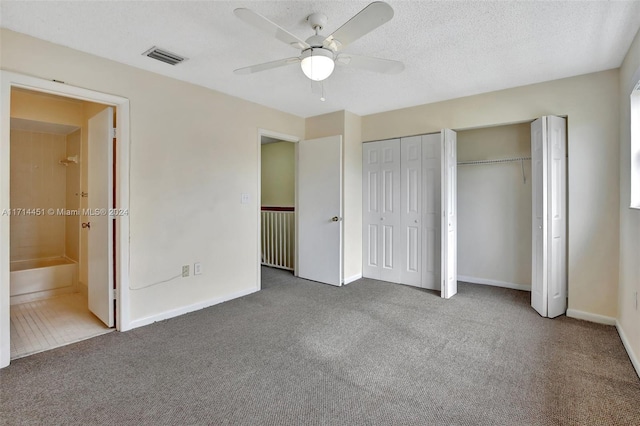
46 324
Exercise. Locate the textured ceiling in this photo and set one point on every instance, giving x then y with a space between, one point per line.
450 49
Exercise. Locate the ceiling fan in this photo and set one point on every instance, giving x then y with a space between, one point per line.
319 54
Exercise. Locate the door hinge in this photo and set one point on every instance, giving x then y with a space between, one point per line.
114 294
114 132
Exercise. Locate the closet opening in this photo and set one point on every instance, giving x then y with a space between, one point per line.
277 243
494 206
485 206
57 147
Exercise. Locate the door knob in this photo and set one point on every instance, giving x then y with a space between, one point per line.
335 219
86 225
382 218
416 221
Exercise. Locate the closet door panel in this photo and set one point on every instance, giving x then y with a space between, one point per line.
411 213
371 156
381 212
431 211
390 213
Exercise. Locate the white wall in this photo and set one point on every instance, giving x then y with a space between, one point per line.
193 152
591 104
494 206
628 314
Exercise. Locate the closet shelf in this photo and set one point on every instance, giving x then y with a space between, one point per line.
501 160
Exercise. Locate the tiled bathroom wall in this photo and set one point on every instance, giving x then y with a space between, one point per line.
38 181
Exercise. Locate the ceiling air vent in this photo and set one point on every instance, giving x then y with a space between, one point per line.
164 56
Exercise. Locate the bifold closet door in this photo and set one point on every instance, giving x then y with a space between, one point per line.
549 224
411 211
381 210
431 158
449 228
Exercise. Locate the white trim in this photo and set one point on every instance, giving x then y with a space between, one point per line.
190 308
588 316
635 361
495 283
7 81
352 278
285 138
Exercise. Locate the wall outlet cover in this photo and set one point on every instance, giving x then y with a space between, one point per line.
185 271
197 268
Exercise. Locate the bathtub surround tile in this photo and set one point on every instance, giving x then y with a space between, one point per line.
50 323
38 180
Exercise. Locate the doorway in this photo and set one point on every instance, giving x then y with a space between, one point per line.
512 198
47 253
54 152
277 222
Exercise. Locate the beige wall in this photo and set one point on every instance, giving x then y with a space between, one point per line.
628 314
352 164
278 174
193 152
349 126
38 181
494 205
591 104
72 222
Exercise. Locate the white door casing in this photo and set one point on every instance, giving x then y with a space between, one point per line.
549 226
100 200
410 255
431 211
449 214
381 210
320 210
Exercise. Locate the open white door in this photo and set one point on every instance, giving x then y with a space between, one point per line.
320 210
448 260
100 200
549 214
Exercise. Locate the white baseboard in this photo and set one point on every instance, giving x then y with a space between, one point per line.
588 316
186 309
494 283
635 361
352 278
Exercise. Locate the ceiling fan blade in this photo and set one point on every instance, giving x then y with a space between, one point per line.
385 66
267 66
367 20
271 28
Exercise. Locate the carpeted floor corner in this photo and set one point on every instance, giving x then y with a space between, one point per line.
300 352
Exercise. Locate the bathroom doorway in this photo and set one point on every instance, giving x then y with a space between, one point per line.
64 214
51 141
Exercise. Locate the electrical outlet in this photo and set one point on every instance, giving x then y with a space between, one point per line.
244 198
197 268
185 271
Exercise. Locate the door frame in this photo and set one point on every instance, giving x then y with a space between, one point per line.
8 80
286 138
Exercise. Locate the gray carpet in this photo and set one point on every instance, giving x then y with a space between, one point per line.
305 353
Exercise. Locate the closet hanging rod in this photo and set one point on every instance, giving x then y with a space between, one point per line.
501 160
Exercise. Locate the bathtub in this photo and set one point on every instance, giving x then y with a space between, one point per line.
40 278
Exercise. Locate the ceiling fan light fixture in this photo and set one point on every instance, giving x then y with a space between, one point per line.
317 63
